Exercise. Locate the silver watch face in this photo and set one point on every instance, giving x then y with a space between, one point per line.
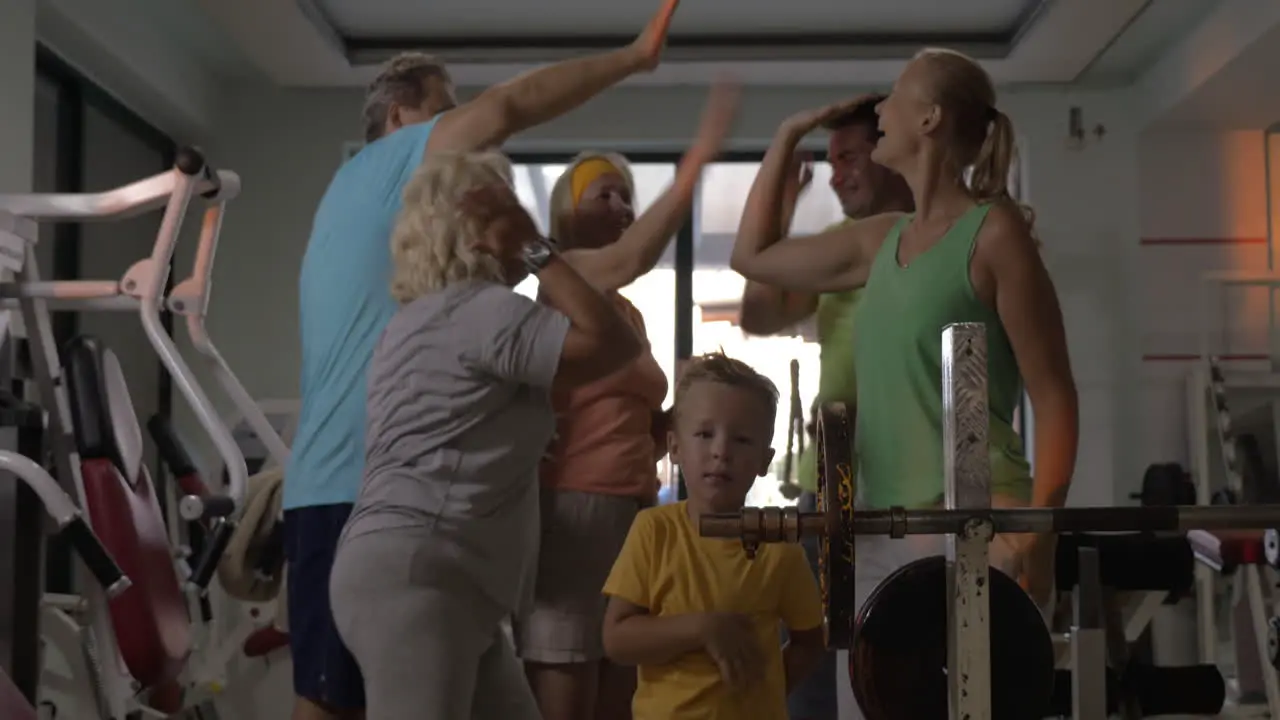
536 254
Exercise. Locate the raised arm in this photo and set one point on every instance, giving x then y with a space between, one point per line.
641 245
597 342
766 310
838 259
547 93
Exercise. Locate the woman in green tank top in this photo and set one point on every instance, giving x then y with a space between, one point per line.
967 254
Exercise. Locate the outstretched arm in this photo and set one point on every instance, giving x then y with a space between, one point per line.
547 93
641 245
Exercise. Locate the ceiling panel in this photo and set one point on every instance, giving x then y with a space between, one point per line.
1160 24
368 19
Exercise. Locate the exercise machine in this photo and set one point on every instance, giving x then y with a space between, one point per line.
949 635
234 626
788 486
127 650
1234 577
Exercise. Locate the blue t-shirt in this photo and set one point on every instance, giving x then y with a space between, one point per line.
344 294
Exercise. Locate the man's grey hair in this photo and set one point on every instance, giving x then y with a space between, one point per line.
402 81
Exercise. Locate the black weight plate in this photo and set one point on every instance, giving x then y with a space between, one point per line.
835 500
898 662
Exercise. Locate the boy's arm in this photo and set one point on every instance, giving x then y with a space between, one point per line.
631 635
801 611
634 637
802 654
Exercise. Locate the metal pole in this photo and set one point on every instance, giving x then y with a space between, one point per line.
1088 643
1066 520
897 522
967 478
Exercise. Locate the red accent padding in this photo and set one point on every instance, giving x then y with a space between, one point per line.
1229 548
150 619
264 641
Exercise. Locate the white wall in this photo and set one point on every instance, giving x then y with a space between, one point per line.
1203 207
17 88
144 56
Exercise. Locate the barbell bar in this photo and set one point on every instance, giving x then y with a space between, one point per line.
773 524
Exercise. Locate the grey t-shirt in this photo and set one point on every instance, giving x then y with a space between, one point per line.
459 414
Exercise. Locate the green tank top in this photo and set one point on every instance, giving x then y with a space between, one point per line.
837 379
898 351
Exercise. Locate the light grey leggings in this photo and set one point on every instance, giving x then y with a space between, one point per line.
429 645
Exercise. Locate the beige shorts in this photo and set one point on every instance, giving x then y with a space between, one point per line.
582 534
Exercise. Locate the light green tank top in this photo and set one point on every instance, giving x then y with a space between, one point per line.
898 352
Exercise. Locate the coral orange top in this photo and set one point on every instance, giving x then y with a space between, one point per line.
603 439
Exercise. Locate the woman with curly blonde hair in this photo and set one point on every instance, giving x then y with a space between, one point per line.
442 544
600 469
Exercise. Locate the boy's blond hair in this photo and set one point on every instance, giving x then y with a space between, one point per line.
720 368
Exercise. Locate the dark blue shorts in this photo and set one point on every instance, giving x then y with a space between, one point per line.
815 698
324 671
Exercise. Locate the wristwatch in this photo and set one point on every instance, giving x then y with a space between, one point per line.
538 254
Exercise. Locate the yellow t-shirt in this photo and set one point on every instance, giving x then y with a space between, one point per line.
666 567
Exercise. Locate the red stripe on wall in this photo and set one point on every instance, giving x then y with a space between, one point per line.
1203 241
1184 357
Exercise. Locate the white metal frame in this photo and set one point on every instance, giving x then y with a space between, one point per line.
1249 584
81 625
967 474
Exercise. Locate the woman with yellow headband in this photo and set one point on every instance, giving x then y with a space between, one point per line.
599 472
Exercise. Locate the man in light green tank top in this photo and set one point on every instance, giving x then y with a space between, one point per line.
864 189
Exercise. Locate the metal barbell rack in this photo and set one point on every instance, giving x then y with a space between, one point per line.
969 521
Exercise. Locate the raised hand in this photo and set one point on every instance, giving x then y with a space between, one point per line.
650 43
1037 567
806 121
717 120
800 176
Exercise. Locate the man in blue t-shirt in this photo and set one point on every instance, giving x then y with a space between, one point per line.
345 302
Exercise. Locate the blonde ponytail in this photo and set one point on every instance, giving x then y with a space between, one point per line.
989 176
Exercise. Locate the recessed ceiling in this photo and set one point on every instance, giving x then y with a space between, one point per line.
328 43
703 30
367 19
1145 38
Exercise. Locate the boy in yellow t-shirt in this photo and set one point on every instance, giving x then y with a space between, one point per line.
698 616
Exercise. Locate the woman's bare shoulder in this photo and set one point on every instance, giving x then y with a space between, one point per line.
871 232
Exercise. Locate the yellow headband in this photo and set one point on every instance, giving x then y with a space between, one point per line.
587 172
